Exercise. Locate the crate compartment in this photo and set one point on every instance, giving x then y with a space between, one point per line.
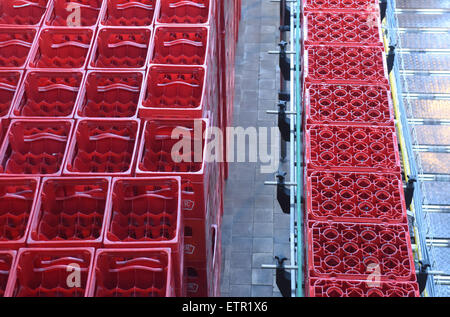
355 251
17 200
346 5
186 12
358 64
351 148
129 13
35 147
173 88
157 146
121 48
110 94
22 12
132 273
348 104
62 48
103 147
347 288
70 212
6 263
48 94
343 28
46 272
373 197
9 84
180 45
15 46
62 13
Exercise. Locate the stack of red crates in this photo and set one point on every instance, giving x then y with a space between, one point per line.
356 224
91 92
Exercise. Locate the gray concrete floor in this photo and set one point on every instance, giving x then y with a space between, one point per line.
254 229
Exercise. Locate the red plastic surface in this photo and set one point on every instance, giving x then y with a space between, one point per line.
350 148
347 288
353 65
173 91
48 94
21 12
70 212
45 272
360 251
343 28
132 273
347 5
185 12
74 13
62 48
103 147
6 263
17 199
157 150
355 197
180 45
348 104
35 147
108 94
9 84
128 13
121 48
15 46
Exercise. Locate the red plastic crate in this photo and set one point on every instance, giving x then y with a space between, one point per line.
47 94
15 46
22 12
351 65
121 48
107 94
180 45
132 273
62 13
62 48
348 104
103 147
35 147
128 13
17 199
184 12
355 197
341 5
9 84
173 91
364 288
6 262
70 212
351 148
45 272
332 28
146 213
358 251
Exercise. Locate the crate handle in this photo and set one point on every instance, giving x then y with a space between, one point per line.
124 6
104 136
5 86
16 196
187 3
44 135
25 3
127 43
183 41
57 86
148 195
178 82
70 43
15 42
117 86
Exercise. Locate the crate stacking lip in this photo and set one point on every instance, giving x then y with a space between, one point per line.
128 13
132 273
35 147
107 94
70 212
48 94
184 12
41 272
